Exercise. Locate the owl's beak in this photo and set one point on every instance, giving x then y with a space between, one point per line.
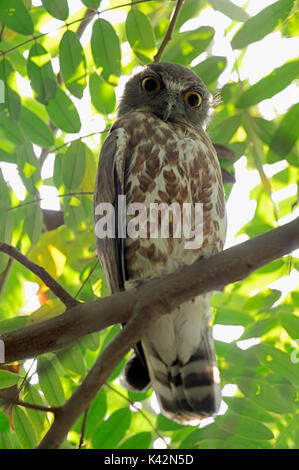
167 108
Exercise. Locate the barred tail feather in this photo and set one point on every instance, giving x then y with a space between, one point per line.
180 355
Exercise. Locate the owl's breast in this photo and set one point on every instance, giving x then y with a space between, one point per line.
173 173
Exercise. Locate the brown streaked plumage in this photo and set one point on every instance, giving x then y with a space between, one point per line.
158 152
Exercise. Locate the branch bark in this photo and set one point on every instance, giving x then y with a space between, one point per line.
170 30
211 274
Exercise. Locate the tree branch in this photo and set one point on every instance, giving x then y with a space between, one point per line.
148 303
169 32
211 274
40 272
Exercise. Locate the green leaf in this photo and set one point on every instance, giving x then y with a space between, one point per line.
63 112
40 73
15 15
278 361
264 395
112 430
35 128
92 4
244 426
4 423
261 24
230 316
102 94
287 133
57 8
72 63
225 129
50 382
210 69
268 86
6 230
264 129
142 440
28 166
96 414
12 101
140 35
33 222
23 428
230 9
105 47
73 165
165 424
37 418
290 322
11 129
72 360
186 46
8 379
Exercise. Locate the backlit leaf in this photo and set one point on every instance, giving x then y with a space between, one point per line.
102 94
35 129
261 24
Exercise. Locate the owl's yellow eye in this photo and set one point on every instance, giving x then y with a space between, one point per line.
193 98
150 84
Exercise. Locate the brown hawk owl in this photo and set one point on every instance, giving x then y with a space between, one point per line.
158 152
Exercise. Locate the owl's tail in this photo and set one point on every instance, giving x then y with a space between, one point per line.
180 357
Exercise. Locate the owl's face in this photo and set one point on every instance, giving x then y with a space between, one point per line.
171 91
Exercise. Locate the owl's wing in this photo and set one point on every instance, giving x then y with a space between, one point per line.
109 185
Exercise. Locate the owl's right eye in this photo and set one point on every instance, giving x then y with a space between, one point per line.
150 84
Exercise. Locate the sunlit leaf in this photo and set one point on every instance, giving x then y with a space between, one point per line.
102 94
93 4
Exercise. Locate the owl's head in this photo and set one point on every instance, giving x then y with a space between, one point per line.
171 91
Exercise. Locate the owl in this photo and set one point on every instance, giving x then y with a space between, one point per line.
158 157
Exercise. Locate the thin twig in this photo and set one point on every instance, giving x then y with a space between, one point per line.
32 406
83 426
40 272
170 30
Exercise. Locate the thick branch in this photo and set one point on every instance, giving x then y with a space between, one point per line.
169 32
211 274
40 272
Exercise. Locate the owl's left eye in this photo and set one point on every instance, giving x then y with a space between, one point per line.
193 98
150 84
